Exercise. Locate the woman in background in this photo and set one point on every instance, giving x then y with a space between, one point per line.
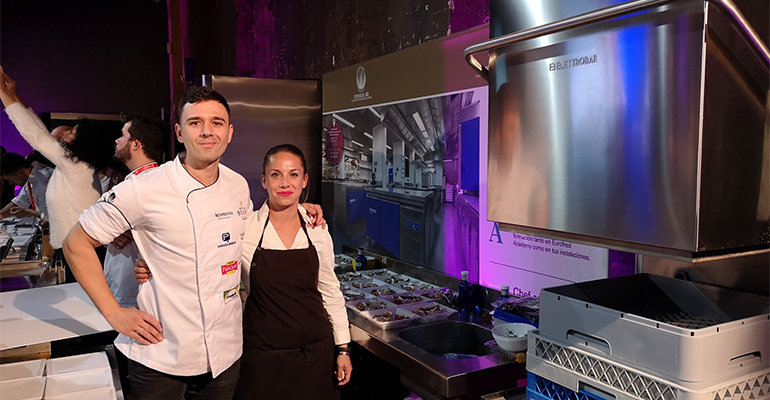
72 187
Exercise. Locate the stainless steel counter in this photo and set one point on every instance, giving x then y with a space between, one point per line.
440 377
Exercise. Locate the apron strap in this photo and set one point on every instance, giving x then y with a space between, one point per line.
301 221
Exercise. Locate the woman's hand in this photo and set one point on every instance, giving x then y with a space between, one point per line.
315 212
7 89
344 369
142 272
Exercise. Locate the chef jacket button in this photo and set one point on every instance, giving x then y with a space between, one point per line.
253 264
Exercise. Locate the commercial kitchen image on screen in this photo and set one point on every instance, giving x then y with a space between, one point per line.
404 179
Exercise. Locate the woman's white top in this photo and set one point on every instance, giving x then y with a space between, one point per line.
72 187
328 285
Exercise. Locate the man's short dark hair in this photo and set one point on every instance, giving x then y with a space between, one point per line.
197 94
153 133
11 163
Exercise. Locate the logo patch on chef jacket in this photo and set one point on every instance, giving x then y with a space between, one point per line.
230 268
226 239
223 215
231 294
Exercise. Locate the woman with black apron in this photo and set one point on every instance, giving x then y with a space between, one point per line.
289 326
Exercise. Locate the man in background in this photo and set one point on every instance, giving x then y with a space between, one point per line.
140 148
33 178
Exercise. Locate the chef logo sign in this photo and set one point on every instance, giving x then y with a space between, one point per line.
361 86
334 143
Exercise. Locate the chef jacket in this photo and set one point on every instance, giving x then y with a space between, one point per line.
191 238
119 263
328 285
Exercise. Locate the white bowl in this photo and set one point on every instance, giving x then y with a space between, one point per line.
503 336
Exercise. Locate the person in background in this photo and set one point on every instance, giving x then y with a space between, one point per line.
140 148
72 187
33 178
295 312
7 189
35 156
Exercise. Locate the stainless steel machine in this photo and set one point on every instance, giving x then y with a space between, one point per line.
638 125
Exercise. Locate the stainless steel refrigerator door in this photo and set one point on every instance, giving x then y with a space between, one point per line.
266 113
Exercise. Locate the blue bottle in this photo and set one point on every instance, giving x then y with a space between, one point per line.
465 294
360 260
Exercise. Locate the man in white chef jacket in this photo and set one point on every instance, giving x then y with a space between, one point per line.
188 219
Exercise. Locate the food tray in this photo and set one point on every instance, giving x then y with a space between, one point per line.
23 369
377 291
22 389
415 285
699 332
350 294
381 273
351 276
434 295
78 381
395 279
106 393
442 315
371 301
410 318
343 261
79 362
577 369
403 299
365 284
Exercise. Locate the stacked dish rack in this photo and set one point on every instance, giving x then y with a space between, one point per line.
654 338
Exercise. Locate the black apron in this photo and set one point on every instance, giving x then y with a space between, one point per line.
288 348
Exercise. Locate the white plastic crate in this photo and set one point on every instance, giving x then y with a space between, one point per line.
22 389
23 369
80 362
682 330
72 382
583 371
106 393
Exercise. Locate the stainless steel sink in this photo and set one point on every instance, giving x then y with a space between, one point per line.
449 337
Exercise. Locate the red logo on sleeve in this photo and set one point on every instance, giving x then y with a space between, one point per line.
230 268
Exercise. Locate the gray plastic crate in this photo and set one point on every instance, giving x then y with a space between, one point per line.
602 377
685 331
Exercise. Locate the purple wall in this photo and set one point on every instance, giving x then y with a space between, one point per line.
87 56
293 39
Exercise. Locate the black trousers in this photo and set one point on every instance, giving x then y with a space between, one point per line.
149 384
